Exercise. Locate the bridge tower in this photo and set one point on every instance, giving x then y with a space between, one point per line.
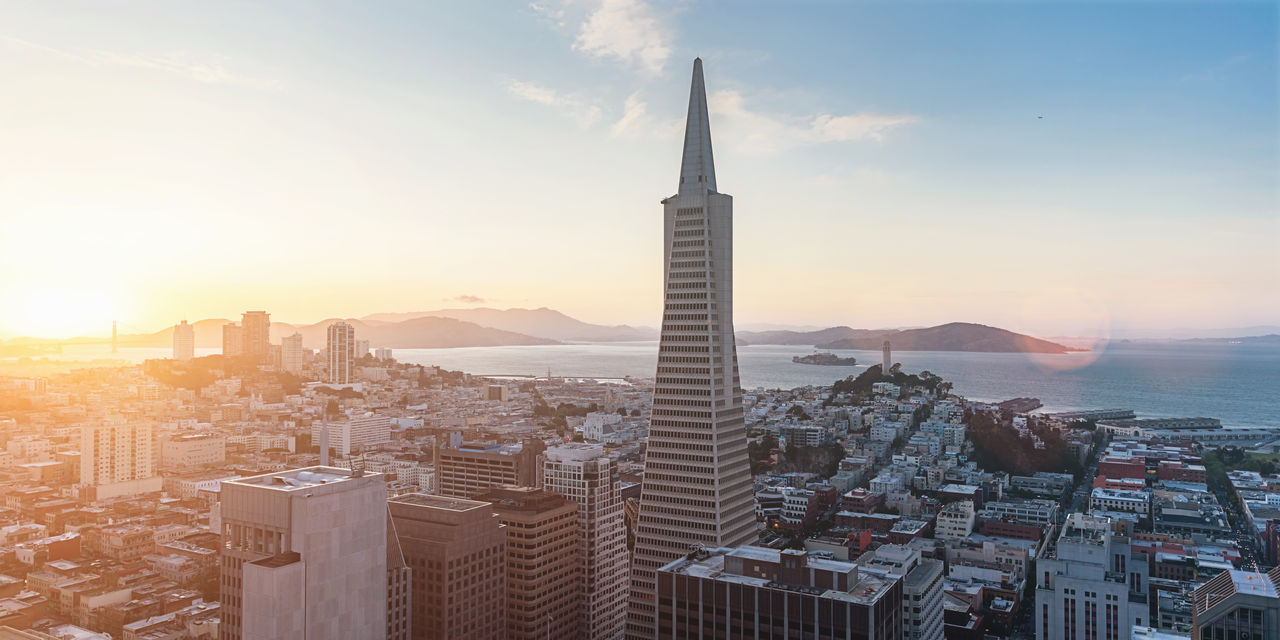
113 337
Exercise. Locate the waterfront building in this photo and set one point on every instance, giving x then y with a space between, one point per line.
341 348
753 592
697 477
255 327
545 589
457 551
304 555
184 341
584 474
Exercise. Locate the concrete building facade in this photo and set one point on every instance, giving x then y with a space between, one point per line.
304 555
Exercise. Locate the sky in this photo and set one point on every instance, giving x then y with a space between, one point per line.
1060 169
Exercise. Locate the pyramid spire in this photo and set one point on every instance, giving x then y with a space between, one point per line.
697 169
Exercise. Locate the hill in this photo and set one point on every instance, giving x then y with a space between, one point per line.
820 336
1270 338
954 336
541 322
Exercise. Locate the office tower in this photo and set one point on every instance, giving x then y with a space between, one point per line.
472 467
255 328
291 353
544 579
232 339
361 349
184 341
1088 582
399 588
341 348
118 459
304 555
353 434
382 353
1237 604
584 474
697 480
457 551
921 588
753 592
886 360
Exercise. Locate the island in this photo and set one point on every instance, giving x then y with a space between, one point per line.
825 359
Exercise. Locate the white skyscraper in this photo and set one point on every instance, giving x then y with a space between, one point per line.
304 555
184 341
341 349
584 474
697 480
291 353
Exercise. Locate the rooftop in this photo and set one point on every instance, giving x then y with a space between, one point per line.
439 502
1253 582
295 479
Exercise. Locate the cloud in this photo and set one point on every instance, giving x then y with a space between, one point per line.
555 16
586 114
765 133
768 133
466 299
177 63
626 30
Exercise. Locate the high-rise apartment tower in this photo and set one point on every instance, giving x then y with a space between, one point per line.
341 348
255 328
184 341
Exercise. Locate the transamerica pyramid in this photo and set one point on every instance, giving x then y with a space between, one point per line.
697 475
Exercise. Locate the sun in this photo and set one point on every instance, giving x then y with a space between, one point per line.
57 312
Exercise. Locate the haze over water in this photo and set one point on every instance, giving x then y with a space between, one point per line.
1234 383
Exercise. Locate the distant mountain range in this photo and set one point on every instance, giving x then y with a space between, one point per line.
501 327
1270 338
415 333
541 322
955 336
